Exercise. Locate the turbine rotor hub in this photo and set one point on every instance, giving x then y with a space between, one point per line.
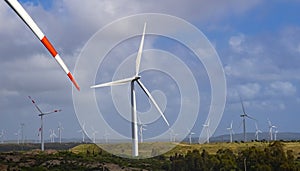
136 78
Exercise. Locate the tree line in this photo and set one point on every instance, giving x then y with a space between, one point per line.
271 158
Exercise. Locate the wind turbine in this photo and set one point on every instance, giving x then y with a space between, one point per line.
230 129
42 114
83 132
17 7
141 129
271 127
59 129
206 126
257 131
2 136
105 135
94 134
275 134
52 135
171 134
244 116
190 135
22 132
136 78
18 133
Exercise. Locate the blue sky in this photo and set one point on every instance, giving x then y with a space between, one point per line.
258 43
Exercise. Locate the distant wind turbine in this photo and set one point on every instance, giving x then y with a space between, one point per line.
230 129
206 126
136 78
52 135
94 134
42 114
141 129
244 116
257 131
18 134
173 135
2 136
106 135
190 135
271 127
22 132
83 132
59 129
275 134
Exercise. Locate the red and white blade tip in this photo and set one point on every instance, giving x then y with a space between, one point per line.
17 7
73 81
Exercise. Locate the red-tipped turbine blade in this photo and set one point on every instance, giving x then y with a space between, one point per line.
36 106
17 7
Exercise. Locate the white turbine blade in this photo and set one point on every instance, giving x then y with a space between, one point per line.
17 7
250 117
243 108
140 51
139 121
152 100
35 105
269 122
54 111
114 83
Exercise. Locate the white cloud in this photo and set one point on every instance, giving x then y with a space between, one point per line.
281 88
250 90
235 42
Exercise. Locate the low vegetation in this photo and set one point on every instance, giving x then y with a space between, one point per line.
213 156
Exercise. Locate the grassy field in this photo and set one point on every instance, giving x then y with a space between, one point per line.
146 149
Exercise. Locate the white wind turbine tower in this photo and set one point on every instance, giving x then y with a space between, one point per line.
136 78
42 114
275 134
206 126
141 129
257 131
22 132
171 133
105 135
271 127
83 132
18 134
244 116
52 135
174 136
230 129
94 135
2 136
190 135
59 129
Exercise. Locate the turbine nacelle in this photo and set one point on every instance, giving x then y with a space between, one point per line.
137 77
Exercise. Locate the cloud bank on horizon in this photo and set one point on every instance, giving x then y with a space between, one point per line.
258 43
